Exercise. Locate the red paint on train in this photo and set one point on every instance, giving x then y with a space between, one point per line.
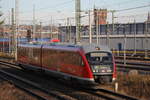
65 61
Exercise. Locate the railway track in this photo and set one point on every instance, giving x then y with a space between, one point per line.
28 86
133 58
101 93
110 95
131 54
133 65
134 62
6 77
140 64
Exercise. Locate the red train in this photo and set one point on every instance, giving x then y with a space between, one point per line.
87 64
4 45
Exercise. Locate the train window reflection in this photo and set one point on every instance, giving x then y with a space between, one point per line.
98 54
99 57
62 57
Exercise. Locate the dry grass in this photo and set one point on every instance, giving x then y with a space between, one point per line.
135 85
9 92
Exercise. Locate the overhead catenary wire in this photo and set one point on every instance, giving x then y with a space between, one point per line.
60 4
133 15
138 7
50 7
119 3
83 16
115 10
118 10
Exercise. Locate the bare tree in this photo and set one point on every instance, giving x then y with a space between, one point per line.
1 20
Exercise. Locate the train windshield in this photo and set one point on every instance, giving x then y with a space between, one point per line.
99 58
100 62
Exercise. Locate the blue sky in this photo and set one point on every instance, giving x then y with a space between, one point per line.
65 8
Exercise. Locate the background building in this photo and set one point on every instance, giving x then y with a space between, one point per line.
137 35
100 16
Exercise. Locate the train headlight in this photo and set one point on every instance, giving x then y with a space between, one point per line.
103 71
96 67
94 71
109 71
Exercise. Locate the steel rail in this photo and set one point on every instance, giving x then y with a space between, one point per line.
104 93
22 87
30 83
110 95
117 94
133 58
135 67
134 63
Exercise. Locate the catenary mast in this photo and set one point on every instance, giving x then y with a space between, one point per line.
17 26
78 21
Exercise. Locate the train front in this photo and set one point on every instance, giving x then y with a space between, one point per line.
102 64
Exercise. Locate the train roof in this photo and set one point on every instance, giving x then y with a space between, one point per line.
4 39
25 39
30 45
86 47
95 47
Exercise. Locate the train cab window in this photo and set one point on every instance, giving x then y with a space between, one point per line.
99 57
100 62
106 59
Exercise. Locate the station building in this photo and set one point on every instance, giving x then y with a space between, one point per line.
136 35
125 36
